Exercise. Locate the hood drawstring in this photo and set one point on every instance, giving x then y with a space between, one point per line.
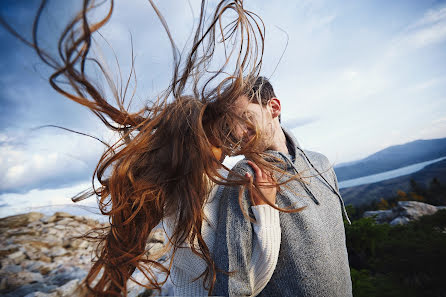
333 189
313 197
308 190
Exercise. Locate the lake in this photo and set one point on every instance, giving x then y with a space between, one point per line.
386 175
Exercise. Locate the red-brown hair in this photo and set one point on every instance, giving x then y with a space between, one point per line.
163 163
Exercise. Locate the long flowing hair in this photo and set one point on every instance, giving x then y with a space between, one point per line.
162 164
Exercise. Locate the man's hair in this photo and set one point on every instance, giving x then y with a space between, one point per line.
262 88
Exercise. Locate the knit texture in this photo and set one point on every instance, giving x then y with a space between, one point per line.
313 258
187 266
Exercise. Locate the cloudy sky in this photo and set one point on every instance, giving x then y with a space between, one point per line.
355 77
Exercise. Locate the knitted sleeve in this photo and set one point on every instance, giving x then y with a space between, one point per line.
266 248
266 245
236 237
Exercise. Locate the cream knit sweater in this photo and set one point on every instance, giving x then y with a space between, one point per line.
187 266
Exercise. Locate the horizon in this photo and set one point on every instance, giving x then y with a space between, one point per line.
356 78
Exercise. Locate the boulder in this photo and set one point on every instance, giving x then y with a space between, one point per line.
404 212
413 210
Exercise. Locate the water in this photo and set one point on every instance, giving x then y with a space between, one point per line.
386 175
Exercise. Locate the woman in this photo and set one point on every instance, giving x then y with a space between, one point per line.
188 268
166 162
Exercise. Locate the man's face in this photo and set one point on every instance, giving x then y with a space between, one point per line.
260 116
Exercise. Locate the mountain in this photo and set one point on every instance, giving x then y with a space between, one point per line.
393 157
367 193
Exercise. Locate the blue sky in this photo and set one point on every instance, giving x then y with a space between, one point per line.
356 77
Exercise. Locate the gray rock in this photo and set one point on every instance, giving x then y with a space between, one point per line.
414 210
40 294
157 236
399 221
69 288
58 251
10 269
381 216
404 212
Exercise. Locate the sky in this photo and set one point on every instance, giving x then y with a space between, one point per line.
353 77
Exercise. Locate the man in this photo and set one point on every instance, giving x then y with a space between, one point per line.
312 260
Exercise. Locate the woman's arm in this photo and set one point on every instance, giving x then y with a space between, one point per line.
267 231
266 245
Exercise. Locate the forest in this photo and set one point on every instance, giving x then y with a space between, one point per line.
403 260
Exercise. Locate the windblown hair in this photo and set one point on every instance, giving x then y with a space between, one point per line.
162 165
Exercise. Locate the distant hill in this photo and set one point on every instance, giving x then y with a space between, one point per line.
366 193
393 157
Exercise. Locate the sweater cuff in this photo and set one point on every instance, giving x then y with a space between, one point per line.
265 215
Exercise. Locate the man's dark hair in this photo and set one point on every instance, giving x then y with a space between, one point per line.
263 88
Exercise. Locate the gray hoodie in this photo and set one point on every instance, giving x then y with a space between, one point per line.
313 258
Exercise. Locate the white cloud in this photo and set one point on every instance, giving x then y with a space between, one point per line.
48 201
41 159
431 16
423 85
426 31
427 36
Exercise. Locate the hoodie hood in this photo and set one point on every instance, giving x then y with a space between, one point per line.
302 161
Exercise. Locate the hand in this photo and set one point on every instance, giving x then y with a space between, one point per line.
264 181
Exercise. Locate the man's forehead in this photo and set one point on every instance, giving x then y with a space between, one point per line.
242 104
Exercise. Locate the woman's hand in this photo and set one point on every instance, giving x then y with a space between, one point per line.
264 182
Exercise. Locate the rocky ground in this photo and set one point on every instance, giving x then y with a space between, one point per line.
40 256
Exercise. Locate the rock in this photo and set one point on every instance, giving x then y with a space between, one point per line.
20 220
58 251
399 221
403 213
17 257
29 277
40 294
8 250
381 216
3 283
44 258
59 216
11 269
157 236
46 255
414 210
69 288
155 247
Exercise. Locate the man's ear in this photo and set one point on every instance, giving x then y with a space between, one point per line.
276 108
